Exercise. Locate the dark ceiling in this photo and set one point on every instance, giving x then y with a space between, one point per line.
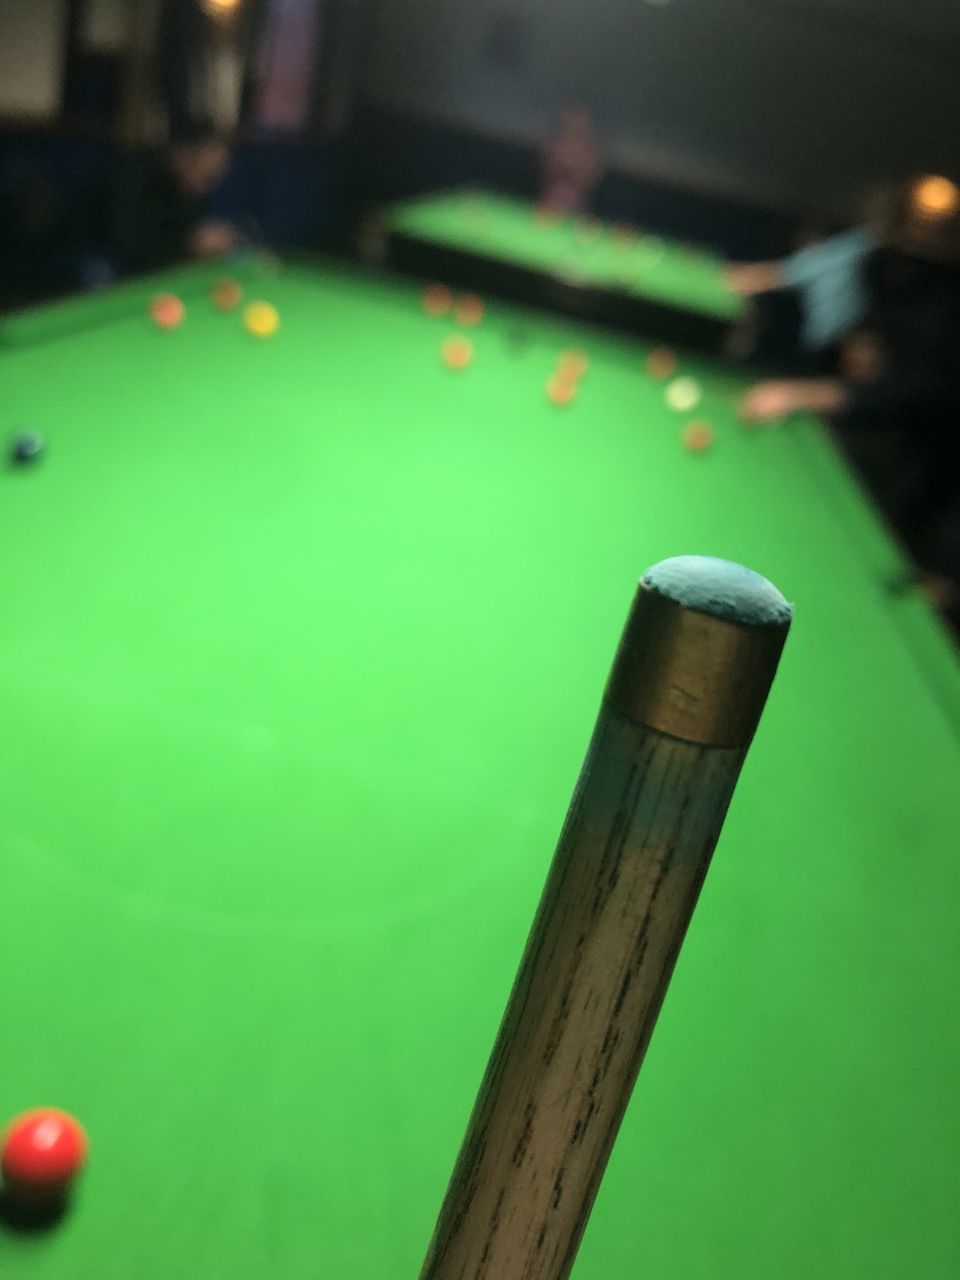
926 28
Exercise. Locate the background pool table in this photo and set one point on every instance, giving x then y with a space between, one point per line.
614 271
301 645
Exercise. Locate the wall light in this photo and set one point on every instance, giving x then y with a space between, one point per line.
935 197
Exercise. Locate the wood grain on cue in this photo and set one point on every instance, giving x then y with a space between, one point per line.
695 663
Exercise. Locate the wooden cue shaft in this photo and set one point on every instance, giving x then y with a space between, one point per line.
682 702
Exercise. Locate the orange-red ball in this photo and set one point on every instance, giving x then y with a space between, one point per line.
561 389
697 436
661 362
456 353
167 311
226 295
574 362
42 1152
468 311
436 299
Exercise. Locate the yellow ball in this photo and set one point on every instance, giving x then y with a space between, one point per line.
261 319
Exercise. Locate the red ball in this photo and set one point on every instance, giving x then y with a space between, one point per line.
469 310
226 295
562 389
436 299
456 352
661 362
167 311
42 1152
697 436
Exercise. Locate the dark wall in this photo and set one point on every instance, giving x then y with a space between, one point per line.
59 196
796 103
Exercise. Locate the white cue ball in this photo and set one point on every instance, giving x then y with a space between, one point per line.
683 394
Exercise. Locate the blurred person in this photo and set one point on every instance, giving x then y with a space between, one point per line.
827 275
164 216
906 358
829 278
572 163
894 402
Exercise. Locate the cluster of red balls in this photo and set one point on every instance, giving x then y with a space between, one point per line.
562 386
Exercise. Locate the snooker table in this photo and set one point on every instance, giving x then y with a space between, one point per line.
619 274
302 644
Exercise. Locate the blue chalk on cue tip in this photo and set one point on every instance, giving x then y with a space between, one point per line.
721 588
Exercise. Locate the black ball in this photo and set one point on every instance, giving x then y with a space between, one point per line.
27 447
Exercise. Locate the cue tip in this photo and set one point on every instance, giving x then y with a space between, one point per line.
700 649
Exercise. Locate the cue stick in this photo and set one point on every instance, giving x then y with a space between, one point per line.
695 663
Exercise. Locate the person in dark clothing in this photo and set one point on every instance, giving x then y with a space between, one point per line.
894 404
885 385
903 361
164 215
